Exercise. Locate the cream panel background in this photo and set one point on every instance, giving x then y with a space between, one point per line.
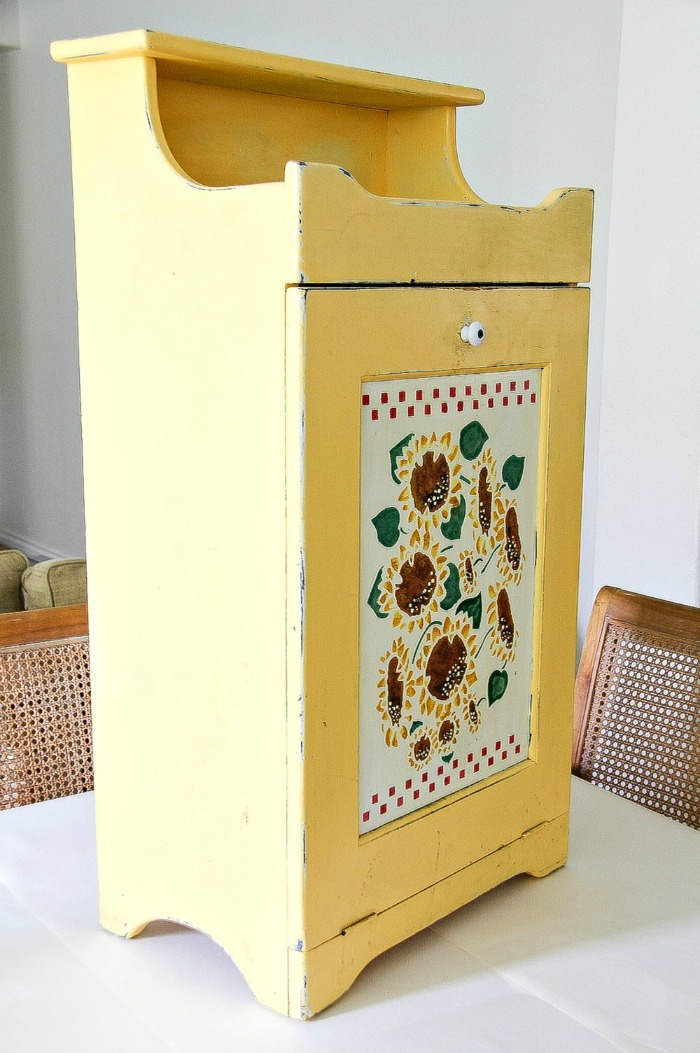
448 525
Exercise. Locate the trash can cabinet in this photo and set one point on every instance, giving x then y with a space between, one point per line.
338 401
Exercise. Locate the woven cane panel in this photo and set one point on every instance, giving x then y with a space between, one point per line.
643 737
45 722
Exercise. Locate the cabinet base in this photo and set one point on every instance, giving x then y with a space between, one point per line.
319 976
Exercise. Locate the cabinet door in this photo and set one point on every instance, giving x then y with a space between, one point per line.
440 511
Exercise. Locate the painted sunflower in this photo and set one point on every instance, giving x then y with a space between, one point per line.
421 747
486 504
447 732
429 470
468 574
510 554
414 583
504 635
396 690
472 715
446 663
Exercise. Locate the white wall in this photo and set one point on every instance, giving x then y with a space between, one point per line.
549 69
647 527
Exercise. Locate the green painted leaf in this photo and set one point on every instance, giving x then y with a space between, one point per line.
452 589
415 725
386 523
449 757
373 598
471 440
498 682
452 528
513 471
472 607
395 452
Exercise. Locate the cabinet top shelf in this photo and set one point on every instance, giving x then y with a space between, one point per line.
182 58
355 174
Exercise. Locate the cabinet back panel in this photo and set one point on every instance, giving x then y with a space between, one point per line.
224 137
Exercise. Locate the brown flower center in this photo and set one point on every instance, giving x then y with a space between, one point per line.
514 549
430 482
506 626
394 691
417 585
446 733
473 713
485 501
446 666
469 572
421 748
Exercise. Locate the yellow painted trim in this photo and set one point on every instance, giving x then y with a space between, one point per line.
205 62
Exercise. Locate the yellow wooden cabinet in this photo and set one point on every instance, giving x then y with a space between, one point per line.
332 414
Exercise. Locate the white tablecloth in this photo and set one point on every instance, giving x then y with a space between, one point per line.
601 955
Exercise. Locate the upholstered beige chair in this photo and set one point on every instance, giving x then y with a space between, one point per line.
13 564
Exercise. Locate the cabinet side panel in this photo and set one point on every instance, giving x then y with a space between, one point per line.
181 346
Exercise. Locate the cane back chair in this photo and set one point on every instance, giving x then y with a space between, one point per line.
45 719
637 706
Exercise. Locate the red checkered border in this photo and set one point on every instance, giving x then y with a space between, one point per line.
431 400
424 784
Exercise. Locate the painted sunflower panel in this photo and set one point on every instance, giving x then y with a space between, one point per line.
449 483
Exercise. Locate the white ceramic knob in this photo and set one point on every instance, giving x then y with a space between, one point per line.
472 333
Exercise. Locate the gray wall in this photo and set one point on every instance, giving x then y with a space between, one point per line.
648 488
550 72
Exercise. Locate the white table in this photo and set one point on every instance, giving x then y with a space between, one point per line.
602 955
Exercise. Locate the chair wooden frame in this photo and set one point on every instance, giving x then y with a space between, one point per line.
45 712
637 703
